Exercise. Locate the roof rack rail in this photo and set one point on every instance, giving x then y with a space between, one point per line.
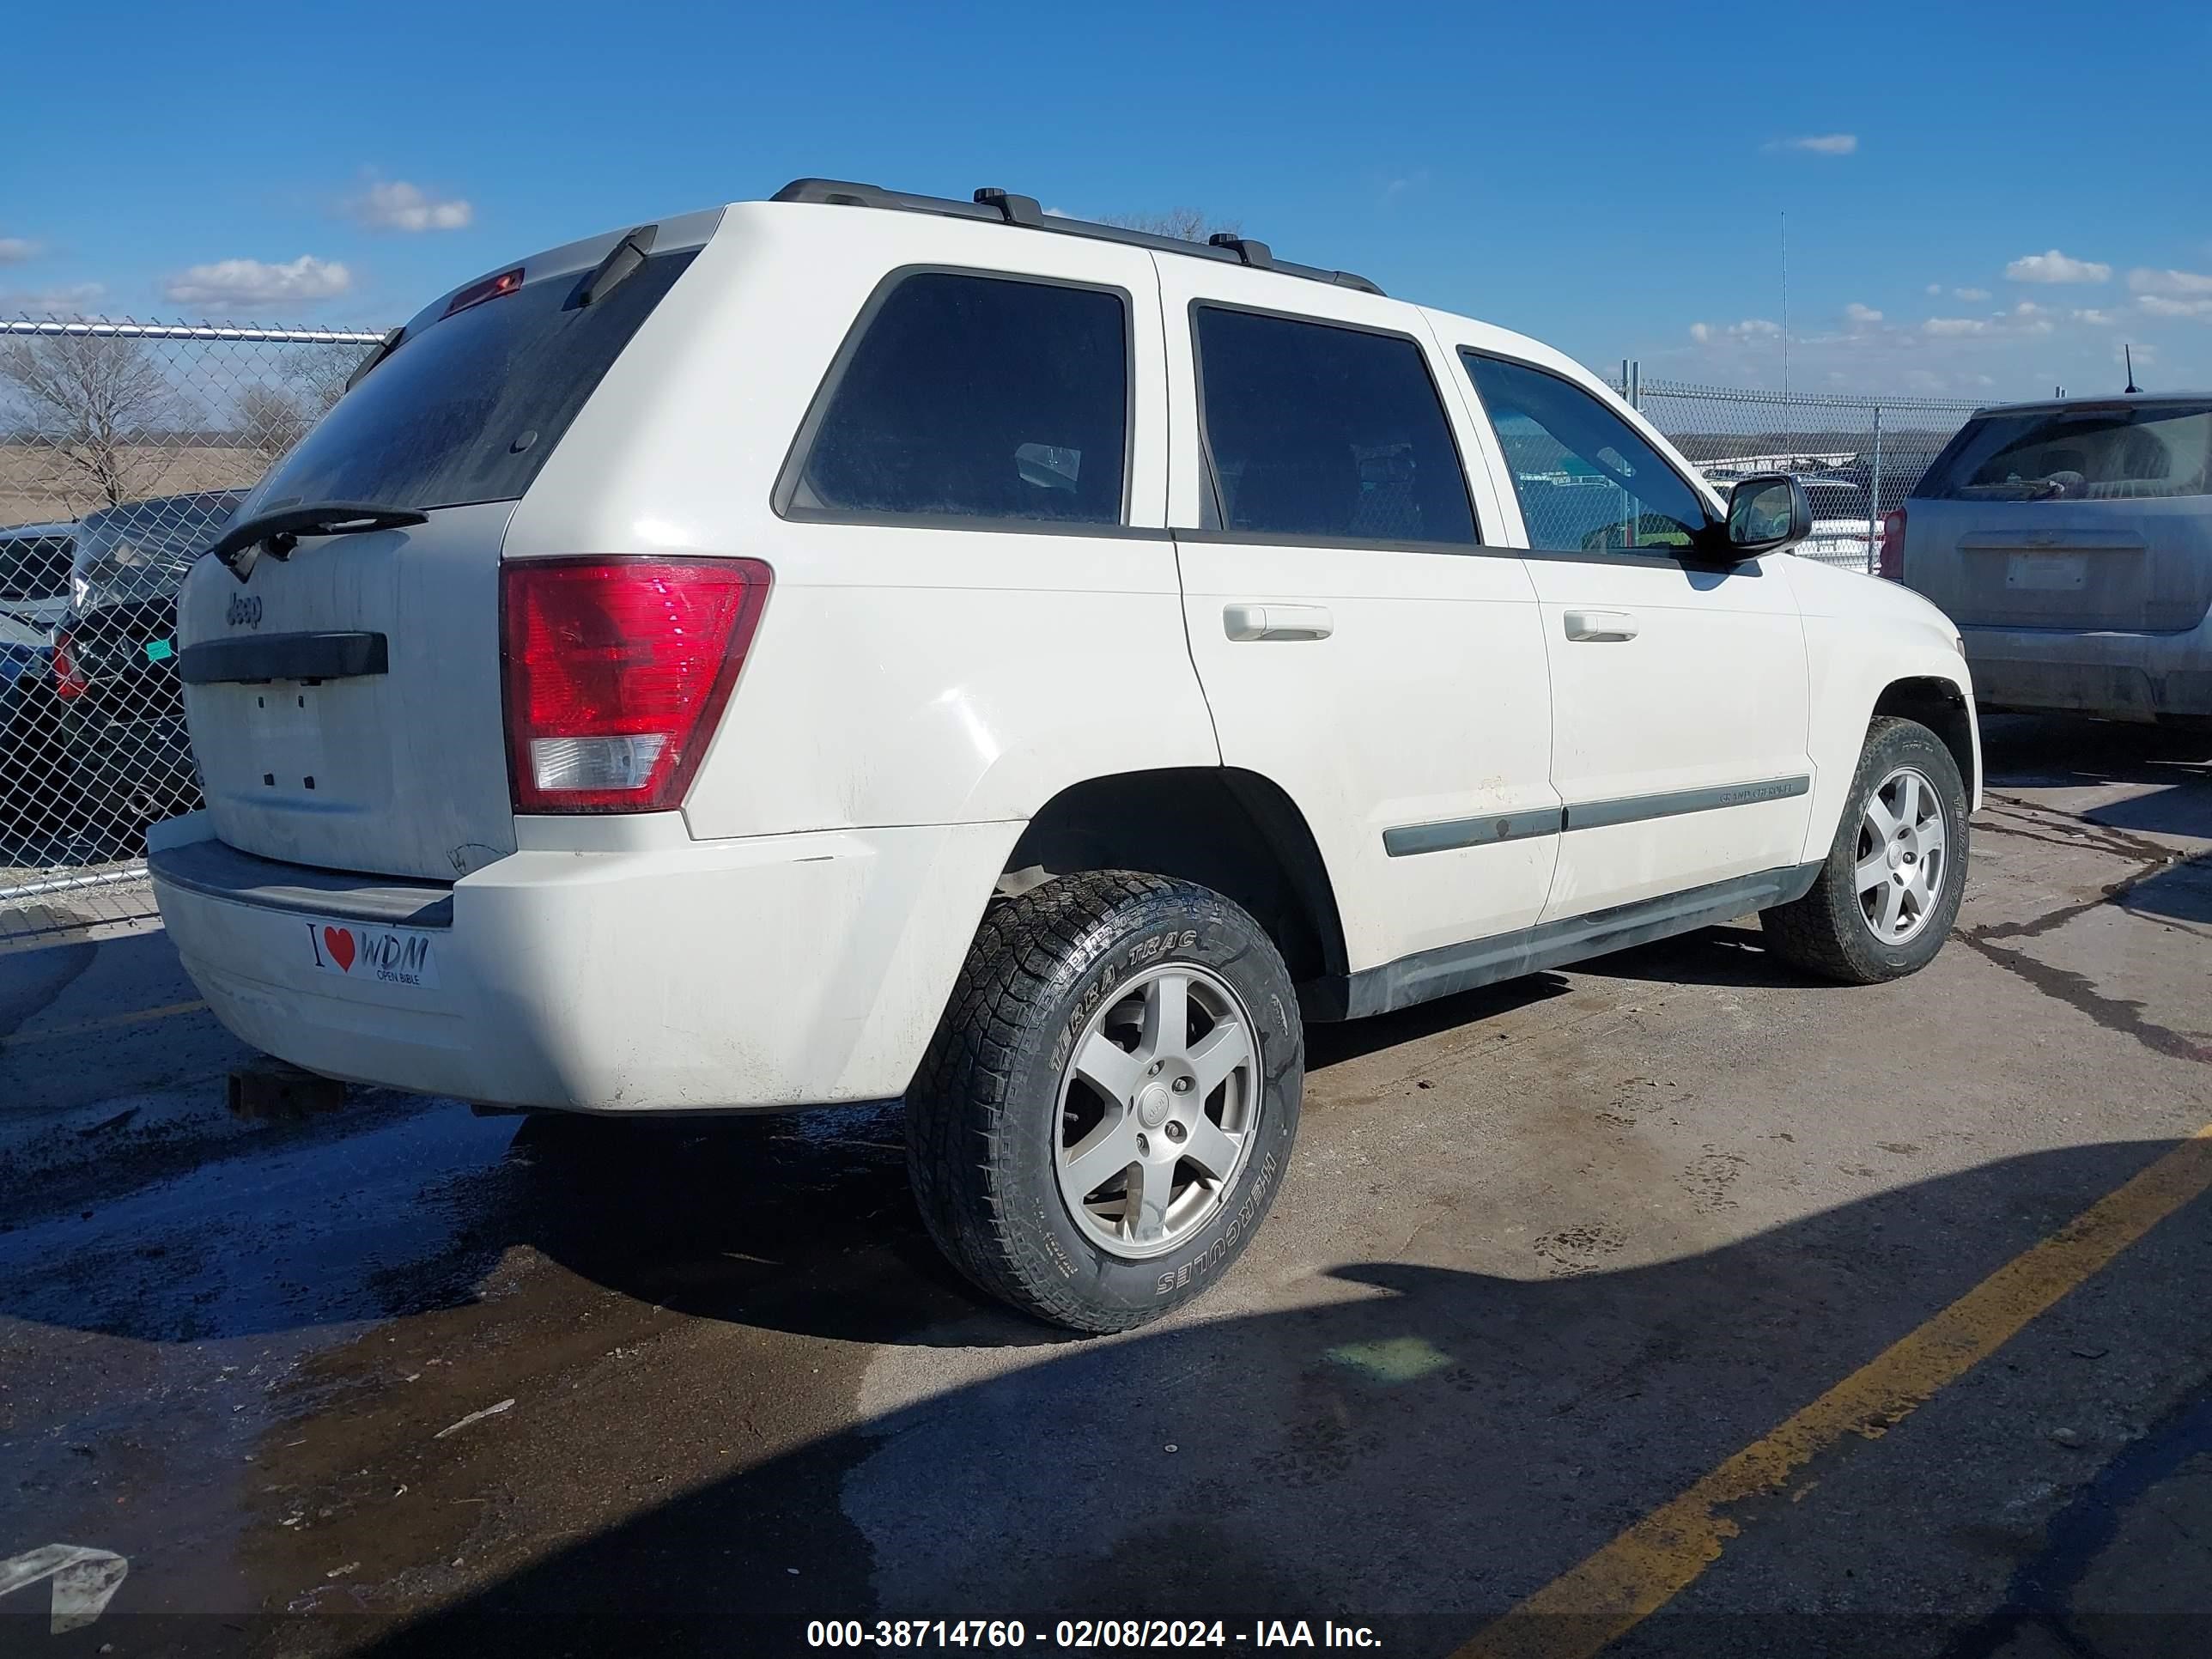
1004 206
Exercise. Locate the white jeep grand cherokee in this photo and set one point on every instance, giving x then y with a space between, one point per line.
858 646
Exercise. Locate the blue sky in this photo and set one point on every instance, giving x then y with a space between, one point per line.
1610 177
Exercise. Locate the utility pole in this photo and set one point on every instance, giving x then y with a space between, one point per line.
1785 303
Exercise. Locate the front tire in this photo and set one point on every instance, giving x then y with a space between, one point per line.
1889 891
1108 1105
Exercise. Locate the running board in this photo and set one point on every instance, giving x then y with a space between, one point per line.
1451 968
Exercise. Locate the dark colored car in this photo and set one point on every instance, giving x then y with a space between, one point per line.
115 658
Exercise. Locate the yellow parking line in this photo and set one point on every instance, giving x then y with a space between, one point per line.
104 1022
1584 1609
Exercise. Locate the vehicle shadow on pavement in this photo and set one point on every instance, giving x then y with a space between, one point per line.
1416 1448
2055 752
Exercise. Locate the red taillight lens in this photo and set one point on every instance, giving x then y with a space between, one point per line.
1890 561
617 672
69 678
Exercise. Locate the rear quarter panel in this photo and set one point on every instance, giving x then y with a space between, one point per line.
902 674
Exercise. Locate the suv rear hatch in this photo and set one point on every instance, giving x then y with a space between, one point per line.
345 699
2076 516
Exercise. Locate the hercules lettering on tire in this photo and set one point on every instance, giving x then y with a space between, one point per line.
1109 1101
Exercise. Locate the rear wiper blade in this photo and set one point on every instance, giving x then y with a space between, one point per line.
277 532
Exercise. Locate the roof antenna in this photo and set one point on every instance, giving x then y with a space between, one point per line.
2130 352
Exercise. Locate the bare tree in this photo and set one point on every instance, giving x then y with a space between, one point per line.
272 415
271 420
1185 224
92 399
319 374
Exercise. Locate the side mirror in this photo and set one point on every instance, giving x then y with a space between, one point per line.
1766 512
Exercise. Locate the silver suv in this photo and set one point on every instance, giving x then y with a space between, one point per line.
2071 542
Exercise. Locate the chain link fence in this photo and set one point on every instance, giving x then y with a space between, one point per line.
1856 456
123 447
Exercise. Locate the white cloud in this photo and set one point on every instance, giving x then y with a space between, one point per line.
1941 326
1823 144
2094 318
1750 328
249 282
1058 213
2056 267
1974 294
71 300
2142 281
1861 315
1934 288
13 250
395 204
2158 306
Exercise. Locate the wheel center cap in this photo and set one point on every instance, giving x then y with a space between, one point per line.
1896 855
1154 1104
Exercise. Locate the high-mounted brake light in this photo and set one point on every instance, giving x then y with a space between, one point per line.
69 678
491 287
617 672
1890 562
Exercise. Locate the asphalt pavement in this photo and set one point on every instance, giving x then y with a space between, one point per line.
1678 1303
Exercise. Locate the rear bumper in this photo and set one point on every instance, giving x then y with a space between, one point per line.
2121 676
666 975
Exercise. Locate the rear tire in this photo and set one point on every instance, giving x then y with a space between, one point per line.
1108 1105
1889 891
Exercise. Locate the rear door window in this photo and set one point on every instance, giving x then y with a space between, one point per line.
1320 431
961 396
468 409
2091 454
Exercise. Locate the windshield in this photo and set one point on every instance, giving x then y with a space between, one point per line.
468 409
2104 453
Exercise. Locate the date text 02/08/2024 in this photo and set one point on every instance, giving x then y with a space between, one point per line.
1080 1634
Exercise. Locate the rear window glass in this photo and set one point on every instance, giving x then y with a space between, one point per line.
468 409
144 549
973 397
34 567
2089 455
1320 431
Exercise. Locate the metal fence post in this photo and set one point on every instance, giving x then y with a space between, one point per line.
1874 500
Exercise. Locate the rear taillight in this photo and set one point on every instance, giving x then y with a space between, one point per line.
69 678
617 671
1890 561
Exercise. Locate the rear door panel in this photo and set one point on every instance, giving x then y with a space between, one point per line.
1414 734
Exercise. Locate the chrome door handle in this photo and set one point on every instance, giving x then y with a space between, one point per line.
1601 627
1277 622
